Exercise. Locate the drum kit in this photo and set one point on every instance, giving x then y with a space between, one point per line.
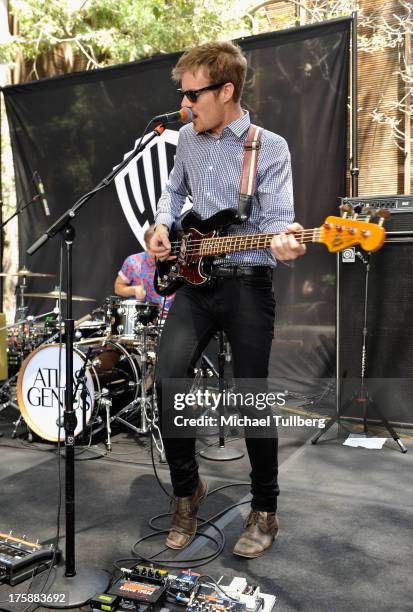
114 361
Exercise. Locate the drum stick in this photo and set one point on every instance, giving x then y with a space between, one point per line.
83 320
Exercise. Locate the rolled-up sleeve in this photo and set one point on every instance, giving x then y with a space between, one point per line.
173 196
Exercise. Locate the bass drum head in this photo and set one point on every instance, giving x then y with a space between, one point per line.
40 399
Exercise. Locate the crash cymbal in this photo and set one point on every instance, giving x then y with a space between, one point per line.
26 272
54 295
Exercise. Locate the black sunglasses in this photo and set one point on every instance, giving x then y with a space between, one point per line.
193 94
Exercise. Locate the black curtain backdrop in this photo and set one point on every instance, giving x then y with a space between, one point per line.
74 129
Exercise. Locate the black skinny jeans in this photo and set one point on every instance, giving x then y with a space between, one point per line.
244 309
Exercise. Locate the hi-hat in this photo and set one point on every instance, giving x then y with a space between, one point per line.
54 295
26 272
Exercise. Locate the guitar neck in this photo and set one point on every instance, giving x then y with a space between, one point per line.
250 242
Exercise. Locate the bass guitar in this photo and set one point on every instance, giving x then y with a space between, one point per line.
200 241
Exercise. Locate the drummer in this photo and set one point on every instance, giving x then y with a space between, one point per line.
136 276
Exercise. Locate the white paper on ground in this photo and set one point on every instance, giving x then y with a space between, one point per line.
355 440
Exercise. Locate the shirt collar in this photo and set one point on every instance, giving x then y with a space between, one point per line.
237 127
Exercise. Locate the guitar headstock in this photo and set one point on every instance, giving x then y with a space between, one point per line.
339 233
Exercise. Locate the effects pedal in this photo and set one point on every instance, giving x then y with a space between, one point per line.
209 598
137 594
181 587
105 602
147 572
249 595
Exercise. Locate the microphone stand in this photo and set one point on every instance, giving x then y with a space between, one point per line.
2 225
81 584
221 452
20 210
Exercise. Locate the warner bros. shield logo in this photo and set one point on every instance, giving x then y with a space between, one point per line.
139 185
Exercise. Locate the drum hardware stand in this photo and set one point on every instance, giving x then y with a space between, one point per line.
145 401
82 381
7 395
80 585
21 421
21 309
107 403
144 428
221 452
362 397
29 319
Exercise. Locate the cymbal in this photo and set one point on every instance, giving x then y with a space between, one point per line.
54 295
26 272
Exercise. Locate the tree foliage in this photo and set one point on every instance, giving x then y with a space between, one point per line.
386 24
104 32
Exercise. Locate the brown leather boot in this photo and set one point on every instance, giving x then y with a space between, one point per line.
261 529
184 522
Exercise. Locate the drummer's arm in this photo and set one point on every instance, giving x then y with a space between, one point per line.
125 289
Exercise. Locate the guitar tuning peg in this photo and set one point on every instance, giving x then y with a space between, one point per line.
346 209
384 213
368 211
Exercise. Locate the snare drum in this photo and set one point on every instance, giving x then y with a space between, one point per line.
112 373
90 329
125 316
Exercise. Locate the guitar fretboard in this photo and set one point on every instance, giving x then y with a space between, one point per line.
247 242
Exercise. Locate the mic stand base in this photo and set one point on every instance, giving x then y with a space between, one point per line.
78 589
221 453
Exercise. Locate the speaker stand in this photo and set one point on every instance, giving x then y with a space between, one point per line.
362 398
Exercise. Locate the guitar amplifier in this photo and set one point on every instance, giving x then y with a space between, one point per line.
389 358
399 228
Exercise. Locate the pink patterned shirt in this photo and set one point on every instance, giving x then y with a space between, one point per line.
139 269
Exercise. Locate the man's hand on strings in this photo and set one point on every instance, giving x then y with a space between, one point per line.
285 247
159 245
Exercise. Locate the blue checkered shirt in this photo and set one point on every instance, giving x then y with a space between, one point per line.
208 169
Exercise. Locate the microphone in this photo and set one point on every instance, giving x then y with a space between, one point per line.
184 115
40 190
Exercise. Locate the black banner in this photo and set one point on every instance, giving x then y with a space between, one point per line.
74 129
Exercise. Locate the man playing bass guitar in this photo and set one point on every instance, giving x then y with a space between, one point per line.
239 300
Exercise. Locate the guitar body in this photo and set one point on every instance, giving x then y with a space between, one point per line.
188 266
200 241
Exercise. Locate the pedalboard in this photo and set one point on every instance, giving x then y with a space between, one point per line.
145 587
21 559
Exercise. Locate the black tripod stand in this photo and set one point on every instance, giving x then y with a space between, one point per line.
362 397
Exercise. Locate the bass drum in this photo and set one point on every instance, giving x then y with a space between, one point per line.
112 373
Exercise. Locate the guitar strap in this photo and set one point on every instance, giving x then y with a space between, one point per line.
249 172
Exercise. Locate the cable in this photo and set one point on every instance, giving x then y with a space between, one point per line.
197 561
215 583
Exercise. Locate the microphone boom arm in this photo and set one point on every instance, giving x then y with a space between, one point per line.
69 214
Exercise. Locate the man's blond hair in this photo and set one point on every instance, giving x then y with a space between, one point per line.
223 62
